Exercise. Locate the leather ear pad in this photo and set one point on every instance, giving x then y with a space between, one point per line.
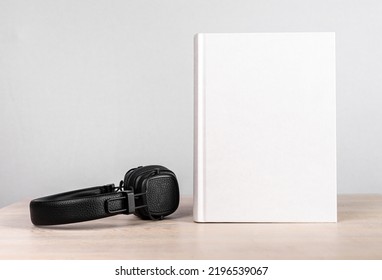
135 179
130 180
127 177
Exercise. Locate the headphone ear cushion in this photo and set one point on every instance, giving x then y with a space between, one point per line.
131 177
139 188
127 177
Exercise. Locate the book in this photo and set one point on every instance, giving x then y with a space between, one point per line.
265 127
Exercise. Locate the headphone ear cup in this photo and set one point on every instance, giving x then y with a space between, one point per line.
162 195
155 189
140 187
134 180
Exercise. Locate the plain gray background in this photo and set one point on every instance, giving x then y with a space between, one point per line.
89 89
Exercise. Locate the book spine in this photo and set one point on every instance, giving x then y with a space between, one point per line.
199 128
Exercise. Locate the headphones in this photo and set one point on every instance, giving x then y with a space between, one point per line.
150 192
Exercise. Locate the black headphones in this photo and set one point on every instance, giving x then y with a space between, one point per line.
150 192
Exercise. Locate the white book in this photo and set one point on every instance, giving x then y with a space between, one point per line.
265 128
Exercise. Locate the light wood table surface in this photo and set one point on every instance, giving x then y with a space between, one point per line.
357 235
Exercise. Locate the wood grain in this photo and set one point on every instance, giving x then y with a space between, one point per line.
357 235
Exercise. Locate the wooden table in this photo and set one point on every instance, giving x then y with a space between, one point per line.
357 235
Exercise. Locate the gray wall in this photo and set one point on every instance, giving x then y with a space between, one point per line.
89 89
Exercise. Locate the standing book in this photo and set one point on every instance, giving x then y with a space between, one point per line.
265 128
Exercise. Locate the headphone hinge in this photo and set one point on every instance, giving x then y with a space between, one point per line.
128 198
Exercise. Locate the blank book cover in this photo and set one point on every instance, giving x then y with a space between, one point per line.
265 128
